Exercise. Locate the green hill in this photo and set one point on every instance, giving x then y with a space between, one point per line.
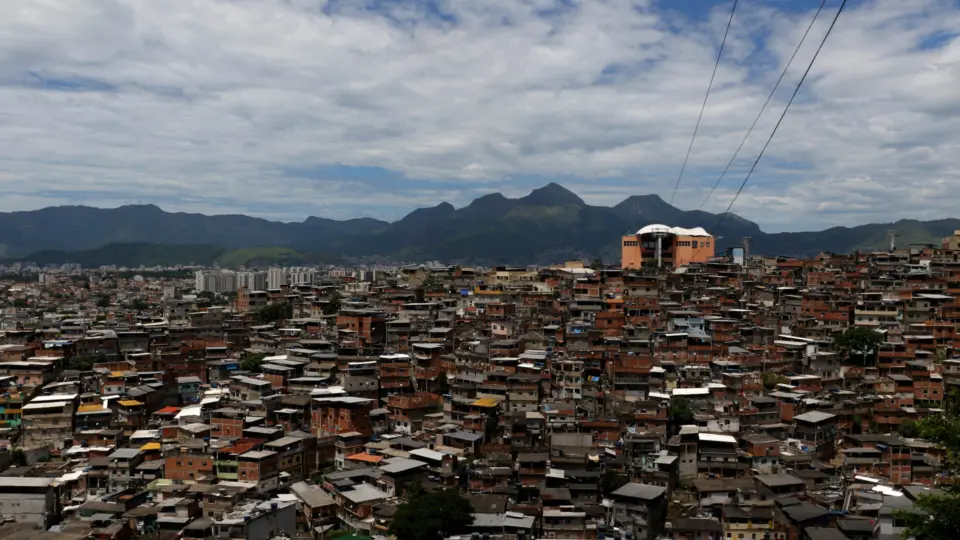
260 256
136 255
547 226
132 255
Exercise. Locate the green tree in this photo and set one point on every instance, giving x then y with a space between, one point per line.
275 312
137 304
103 302
612 481
680 414
909 429
771 380
860 341
937 516
333 304
432 516
596 264
681 411
85 363
252 363
933 517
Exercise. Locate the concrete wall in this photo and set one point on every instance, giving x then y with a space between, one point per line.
264 527
33 508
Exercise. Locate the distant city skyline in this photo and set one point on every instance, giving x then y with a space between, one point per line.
349 108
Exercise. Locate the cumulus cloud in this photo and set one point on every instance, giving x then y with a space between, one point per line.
278 108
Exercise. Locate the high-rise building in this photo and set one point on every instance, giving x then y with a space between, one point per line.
217 281
301 276
199 284
277 277
253 281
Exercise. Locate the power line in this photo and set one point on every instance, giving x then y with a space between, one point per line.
704 106
765 103
785 109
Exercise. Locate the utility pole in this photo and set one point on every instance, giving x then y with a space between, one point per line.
743 267
893 234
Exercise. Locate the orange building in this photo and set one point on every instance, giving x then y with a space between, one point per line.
677 247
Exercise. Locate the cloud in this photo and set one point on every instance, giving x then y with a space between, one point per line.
282 108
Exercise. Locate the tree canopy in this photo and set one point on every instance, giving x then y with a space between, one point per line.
937 516
332 307
771 380
859 340
681 412
275 312
909 429
432 516
252 363
137 304
612 481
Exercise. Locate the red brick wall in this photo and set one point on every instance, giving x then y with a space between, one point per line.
227 427
187 467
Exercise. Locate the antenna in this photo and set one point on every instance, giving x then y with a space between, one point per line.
892 234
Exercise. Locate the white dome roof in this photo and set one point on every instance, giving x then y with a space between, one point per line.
676 231
655 228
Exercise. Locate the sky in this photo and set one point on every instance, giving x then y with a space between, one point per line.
345 108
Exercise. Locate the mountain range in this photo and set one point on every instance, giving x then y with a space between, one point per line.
547 226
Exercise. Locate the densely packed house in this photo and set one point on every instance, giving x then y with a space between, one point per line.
717 399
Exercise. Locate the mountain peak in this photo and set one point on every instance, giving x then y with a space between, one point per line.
429 214
648 200
141 208
552 194
644 205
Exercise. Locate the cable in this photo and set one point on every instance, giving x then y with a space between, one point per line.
765 103
704 106
785 109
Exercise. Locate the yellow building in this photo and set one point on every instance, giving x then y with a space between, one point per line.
952 242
